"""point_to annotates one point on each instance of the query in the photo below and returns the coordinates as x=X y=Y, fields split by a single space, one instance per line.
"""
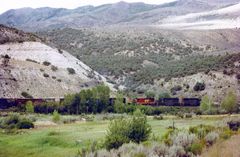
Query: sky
x=70 y=4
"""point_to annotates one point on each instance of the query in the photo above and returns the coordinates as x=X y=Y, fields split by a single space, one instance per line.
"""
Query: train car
x=169 y=102
x=145 y=101
x=191 y=102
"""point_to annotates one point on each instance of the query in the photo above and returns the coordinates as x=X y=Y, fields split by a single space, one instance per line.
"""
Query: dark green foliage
x=25 y=124
x=164 y=95
x=201 y=130
x=125 y=130
x=54 y=68
x=26 y=95
x=71 y=71
x=31 y=60
x=93 y=100
x=229 y=103
x=150 y=94
x=196 y=148
x=199 y=86
x=46 y=63
x=14 y=121
x=100 y=50
x=45 y=75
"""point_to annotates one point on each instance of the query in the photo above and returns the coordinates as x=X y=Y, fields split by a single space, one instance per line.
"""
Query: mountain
x=28 y=65
x=139 y=59
x=121 y=13
x=228 y=17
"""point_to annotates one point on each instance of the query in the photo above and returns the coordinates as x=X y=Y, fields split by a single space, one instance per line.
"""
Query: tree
x=229 y=103
x=29 y=107
x=164 y=95
x=206 y=104
x=119 y=106
x=69 y=101
x=150 y=94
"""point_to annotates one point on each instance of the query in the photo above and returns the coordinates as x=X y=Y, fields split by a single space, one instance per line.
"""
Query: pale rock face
x=25 y=71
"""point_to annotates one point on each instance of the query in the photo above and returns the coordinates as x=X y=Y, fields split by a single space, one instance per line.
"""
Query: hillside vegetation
x=136 y=56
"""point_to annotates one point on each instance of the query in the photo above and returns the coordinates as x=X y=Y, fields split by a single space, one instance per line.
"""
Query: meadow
x=65 y=140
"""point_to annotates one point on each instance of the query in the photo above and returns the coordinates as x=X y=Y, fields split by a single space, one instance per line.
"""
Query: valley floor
x=64 y=140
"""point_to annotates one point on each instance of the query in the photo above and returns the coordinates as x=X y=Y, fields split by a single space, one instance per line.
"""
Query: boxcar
x=191 y=102
x=168 y=102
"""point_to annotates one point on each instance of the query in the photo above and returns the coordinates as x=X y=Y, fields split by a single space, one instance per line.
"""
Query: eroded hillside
x=39 y=70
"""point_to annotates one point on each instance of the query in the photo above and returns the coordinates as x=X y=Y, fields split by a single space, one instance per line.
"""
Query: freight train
x=185 y=102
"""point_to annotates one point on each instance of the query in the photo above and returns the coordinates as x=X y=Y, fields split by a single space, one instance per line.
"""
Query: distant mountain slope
x=121 y=13
x=40 y=70
x=146 y=58
x=227 y=17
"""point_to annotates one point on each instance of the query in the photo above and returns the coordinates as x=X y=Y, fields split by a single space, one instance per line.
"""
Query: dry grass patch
x=229 y=148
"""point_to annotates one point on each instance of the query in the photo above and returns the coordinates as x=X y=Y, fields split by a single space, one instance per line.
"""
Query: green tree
x=150 y=94
x=69 y=101
x=164 y=95
x=29 y=107
x=206 y=104
x=56 y=116
x=229 y=103
x=119 y=106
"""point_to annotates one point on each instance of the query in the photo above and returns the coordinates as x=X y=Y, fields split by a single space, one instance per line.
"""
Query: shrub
x=46 y=63
x=176 y=151
x=45 y=75
x=31 y=60
x=26 y=95
x=196 y=148
x=211 y=138
x=60 y=51
x=14 y=121
x=183 y=139
x=71 y=71
x=206 y=104
x=122 y=131
x=201 y=130
x=54 y=68
x=164 y=95
x=160 y=117
x=199 y=86
x=229 y=103
x=25 y=124
x=56 y=116
x=159 y=150
x=29 y=107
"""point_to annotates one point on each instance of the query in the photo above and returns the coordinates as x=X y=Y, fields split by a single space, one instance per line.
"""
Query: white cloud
x=71 y=4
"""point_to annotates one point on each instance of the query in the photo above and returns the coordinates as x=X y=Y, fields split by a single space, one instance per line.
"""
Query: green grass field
x=64 y=140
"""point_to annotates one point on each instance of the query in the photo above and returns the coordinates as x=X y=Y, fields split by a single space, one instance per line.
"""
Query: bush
x=211 y=138
x=229 y=103
x=14 y=121
x=25 y=124
x=54 y=68
x=123 y=131
x=26 y=95
x=56 y=116
x=45 y=75
x=29 y=107
x=46 y=63
x=196 y=148
x=160 y=117
x=199 y=86
x=71 y=71
x=183 y=139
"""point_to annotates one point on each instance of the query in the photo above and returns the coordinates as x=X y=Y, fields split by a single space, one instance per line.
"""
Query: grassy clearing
x=64 y=140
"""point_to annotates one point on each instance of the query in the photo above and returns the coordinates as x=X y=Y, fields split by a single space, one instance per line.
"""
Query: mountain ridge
x=121 y=13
